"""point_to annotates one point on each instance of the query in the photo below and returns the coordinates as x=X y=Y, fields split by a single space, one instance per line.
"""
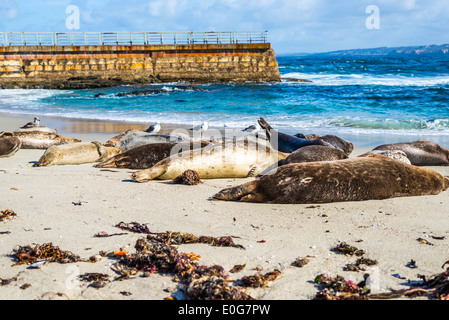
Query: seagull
x=252 y=128
x=32 y=124
x=202 y=128
x=154 y=128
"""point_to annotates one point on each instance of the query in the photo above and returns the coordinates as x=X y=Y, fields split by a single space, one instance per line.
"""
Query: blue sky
x=293 y=25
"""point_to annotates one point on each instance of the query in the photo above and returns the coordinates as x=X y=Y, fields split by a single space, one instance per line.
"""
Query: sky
x=293 y=26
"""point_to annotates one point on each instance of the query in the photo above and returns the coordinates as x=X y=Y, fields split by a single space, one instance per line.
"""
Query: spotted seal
x=397 y=155
x=230 y=159
x=421 y=152
x=41 y=140
x=146 y=156
x=355 y=179
x=134 y=138
x=76 y=153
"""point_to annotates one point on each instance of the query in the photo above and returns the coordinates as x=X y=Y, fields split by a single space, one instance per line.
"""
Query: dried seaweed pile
x=189 y=177
x=340 y=289
x=6 y=214
x=178 y=238
x=198 y=282
x=46 y=252
x=348 y=250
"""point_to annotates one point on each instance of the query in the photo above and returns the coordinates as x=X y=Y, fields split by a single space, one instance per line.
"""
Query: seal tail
x=236 y=193
x=148 y=174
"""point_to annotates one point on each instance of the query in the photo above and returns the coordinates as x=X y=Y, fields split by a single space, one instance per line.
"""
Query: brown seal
x=148 y=155
x=335 y=141
x=355 y=179
x=9 y=145
x=315 y=153
x=421 y=152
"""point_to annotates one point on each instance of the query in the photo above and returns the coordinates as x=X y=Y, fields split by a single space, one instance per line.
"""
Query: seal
x=76 y=153
x=397 y=155
x=148 y=155
x=335 y=141
x=421 y=152
x=41 y=140
x=40 y=129
x=9 y=145
x=372 y=177
x=134 y=138
x=230 y=159
x=287 y=143
x=315 y=153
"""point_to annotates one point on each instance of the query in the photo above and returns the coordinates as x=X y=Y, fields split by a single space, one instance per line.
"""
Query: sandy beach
x=68 y=205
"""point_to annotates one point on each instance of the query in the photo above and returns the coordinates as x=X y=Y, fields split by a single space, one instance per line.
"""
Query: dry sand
x=274 y=235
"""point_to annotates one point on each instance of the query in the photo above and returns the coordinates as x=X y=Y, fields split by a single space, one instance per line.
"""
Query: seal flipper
x=236 y=193
x=264 y=125
x=149 y=174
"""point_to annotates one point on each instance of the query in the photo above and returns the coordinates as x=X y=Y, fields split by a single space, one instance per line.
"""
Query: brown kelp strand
x=258 y=280
x=178 y=238
x=7 y=214
x=133 y=227
x=189 y=177
x=46 y=252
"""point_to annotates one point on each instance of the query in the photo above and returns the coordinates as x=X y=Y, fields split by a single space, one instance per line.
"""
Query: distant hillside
x=385 y=51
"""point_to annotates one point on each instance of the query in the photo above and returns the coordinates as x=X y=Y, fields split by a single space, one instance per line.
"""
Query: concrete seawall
x=77 y=67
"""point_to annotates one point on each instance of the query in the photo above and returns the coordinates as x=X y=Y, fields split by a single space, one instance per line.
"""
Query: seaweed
x=300 y=262
x=157 y=254
x=46 y=252
x=7 y=214
x=189 y=177
x=349 y=250
x=133 y=227
x=94 y=276
x=437 y=287
x=178 y=238
x=214 y=288
x=337 y=288
x=237 y=268
x=259 y=280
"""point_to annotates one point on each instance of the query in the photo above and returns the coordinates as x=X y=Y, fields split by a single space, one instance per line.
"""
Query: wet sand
x=68 y=205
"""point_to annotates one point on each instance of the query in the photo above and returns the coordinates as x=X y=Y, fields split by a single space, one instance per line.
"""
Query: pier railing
x=129 y=38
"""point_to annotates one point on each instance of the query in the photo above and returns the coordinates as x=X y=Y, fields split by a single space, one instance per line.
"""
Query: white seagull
x=156 y=127
x=203 y=127
x=32 y=124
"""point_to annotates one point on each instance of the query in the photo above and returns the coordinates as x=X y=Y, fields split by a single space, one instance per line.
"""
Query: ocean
x=368 y=99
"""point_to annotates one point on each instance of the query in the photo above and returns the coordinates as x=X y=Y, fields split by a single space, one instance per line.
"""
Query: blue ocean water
x=348 y=95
